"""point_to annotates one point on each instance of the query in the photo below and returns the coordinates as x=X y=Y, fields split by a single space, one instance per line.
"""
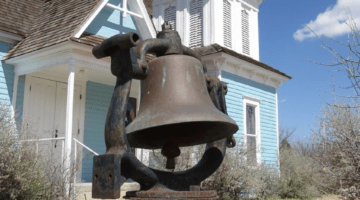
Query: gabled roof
x=215 y=48
x=52 y=22
x=89 y=39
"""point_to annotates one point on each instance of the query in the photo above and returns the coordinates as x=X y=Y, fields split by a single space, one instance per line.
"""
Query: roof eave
x=10 y=37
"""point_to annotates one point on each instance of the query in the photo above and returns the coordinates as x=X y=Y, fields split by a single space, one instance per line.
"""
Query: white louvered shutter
x=196 y=24
x=227 y=24
x=170 y=16
x=245 y=32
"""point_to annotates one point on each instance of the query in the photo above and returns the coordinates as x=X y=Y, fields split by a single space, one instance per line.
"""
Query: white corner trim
x=144 y=24
x=147 y=19
x=247 y=100
x=10 y=37
x=124 y=10
x=277 y=129
x=91 y=17
x=138 y=8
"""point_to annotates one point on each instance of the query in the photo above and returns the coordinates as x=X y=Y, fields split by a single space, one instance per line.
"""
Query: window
x=252 y=130
x=245 y=32
x=196 y=23
x=170 y=16
x=227 y=23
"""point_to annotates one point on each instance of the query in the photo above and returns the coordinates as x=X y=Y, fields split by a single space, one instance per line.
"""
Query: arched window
x=245 y=32
x=227 y=24
x=170 y=16
x=196 y=23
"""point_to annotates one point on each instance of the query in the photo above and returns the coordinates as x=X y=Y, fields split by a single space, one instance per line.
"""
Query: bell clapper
x=170 y=151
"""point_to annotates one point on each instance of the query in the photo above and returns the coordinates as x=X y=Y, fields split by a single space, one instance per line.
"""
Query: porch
x=62 y=94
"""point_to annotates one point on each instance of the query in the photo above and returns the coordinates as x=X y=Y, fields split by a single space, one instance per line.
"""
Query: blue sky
x=286 y=44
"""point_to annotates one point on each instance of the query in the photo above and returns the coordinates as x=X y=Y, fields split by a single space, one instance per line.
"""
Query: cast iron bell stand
x=112 y=169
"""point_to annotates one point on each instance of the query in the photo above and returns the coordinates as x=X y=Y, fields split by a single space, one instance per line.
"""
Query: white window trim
x=247 y=100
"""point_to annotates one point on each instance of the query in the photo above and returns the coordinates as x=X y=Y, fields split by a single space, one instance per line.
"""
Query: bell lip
x=173 y=55
x=142 y=138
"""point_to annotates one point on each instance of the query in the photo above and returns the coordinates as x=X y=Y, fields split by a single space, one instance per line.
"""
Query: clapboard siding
x=7 y=82
x=98 y=98
x=6 y=75
x=238 y=87
x=110 y=22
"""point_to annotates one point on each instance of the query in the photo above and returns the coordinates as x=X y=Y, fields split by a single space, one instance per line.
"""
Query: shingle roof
x=89 y=39
x=17 y=16
x=53 y=22
x=215 y=48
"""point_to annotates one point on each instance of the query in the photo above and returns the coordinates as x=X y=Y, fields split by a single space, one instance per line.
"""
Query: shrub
x=235 y=178
x=337 y=143
x=25 y=171
x=301 y=177
x=22 y=175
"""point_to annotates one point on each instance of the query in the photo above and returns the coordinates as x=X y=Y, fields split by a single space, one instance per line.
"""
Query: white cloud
x=283 y=101
x=332 y=22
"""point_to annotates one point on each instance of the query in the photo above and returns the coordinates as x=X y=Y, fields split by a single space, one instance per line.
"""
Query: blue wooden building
x=57 y=87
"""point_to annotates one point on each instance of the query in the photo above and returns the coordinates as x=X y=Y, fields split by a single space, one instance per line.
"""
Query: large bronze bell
x=176 y=107
x=181 y=105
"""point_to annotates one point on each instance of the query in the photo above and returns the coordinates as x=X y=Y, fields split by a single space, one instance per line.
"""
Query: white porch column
x=14 y=96
x=68 y=126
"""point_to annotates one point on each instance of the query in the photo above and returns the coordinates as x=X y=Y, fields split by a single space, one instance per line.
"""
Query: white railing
x=77 y=142
x=48 y=139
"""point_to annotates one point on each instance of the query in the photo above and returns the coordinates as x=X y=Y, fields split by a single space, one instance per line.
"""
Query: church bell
x=176 y=108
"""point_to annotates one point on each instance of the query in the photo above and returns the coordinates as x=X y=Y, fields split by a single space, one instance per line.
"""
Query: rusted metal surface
x=118 y=163
x=112 y=169
x=176 y=106
x=217 y=91
x=106 y=168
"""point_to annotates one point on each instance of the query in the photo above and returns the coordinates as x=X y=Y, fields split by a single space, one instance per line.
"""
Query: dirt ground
x=329 y=197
